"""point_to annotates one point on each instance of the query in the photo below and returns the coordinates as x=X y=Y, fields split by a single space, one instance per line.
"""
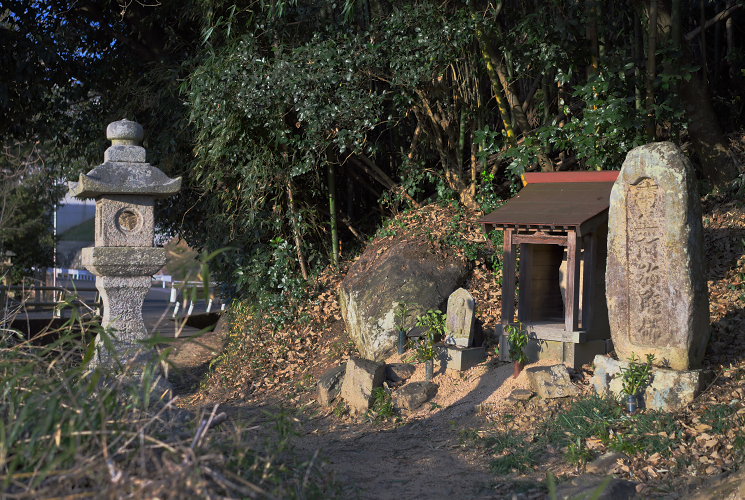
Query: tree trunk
x=650 y=126
x=718 y=164
x=637 y=55
x=296 y=230
x=591 y=32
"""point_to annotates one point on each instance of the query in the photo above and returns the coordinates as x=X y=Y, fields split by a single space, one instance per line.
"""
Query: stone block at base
x=551 y=382
x=361 y=377
x=669 y=389
x=461 y=358
x=574 y=355
x=329 y=384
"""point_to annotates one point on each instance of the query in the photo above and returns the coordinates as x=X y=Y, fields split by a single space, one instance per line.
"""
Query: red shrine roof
x=558 y=200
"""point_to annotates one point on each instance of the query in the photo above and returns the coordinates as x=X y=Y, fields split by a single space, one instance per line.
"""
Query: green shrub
x=69 y=428
x=382 y=406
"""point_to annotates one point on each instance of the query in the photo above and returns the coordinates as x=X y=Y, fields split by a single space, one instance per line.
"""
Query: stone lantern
x=124 y=259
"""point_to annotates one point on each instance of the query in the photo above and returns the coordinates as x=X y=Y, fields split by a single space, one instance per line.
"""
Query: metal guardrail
x=38 y=296
x=33 y=297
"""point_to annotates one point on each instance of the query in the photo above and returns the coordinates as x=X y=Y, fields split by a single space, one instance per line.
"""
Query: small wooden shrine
x=558 y=227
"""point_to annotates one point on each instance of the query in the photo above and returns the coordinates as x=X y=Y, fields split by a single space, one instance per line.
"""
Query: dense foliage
x=299 y=125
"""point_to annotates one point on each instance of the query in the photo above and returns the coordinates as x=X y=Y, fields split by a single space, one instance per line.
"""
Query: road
x=157 y=310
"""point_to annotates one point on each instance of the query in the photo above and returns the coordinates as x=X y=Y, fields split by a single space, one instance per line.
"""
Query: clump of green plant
x=722 y=418
x=382 y=406
x=341 y=409
x=67 y=426
x=514 y=452
x=577 y=452
x=434 y=322
x=637 y=375
x=403 y=310
x=517 y=337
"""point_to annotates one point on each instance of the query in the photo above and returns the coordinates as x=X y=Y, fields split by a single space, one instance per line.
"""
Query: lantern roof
x=124 y=170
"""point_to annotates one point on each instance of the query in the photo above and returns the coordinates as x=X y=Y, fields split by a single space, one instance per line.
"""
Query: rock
x=413 y=395
x=589 y=486
x=361 y=377
x=460 y=318
x=730 y=486
x=656 y=288
x=551 y=381
x=382 y=278
x=399 y=372
x=605 y=463
x=521 y=395
x=669 y=389
x=329 y=384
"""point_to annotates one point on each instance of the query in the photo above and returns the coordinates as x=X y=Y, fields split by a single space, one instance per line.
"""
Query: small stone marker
x=459 y=353
x=124 y=258
x=655 y=284
x=361 y=377
x=460 y=317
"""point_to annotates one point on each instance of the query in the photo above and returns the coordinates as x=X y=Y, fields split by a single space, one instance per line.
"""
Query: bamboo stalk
x=332 y=216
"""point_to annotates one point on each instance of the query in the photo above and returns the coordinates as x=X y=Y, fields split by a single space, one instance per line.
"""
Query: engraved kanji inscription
x=645 y=262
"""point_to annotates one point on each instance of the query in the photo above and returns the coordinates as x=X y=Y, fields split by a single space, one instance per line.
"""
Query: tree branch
x=719 y=17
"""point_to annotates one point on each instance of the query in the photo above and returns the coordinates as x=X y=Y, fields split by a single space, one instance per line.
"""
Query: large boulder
x=385 y=276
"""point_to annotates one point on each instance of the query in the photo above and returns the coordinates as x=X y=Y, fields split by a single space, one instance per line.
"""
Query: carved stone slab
x=459 y=326
x=655 y=283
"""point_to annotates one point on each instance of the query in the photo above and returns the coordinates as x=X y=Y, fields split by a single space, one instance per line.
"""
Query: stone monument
x=655 y=284
x=459 y=353
x=124 y=259
x=460 y=316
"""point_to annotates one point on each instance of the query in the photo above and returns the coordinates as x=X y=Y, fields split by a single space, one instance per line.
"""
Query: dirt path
x=422 y=458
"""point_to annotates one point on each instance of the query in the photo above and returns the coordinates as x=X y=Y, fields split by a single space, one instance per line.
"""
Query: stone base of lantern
x=123 y=347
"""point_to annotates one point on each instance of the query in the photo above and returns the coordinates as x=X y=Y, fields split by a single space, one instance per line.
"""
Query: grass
x=382 y=406
x=68 y=428
x=722 y=418
x=594 y=417
x=604 y=419
x=514 y=452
